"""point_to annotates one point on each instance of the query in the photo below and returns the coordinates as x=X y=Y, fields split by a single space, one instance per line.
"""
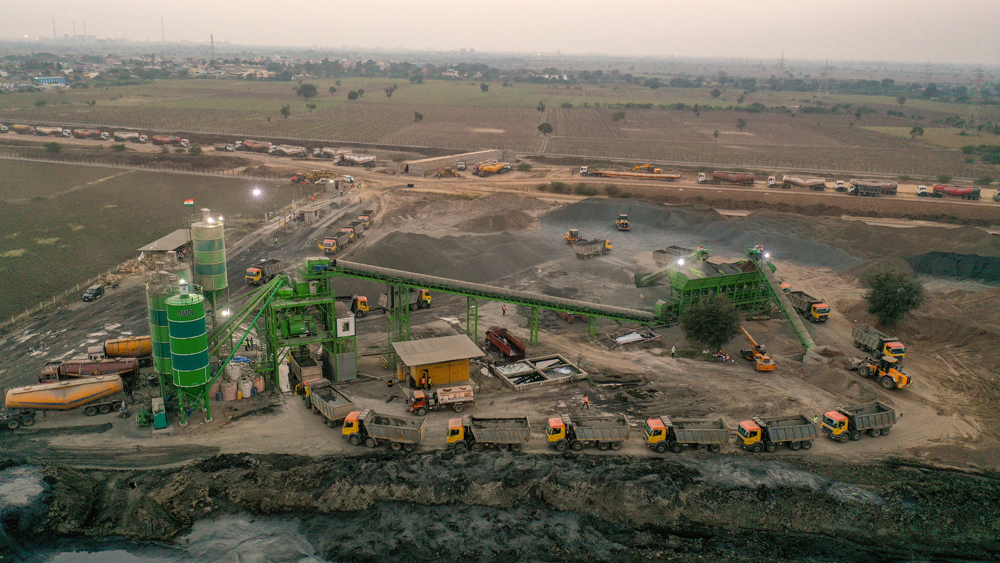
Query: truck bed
x=499 y=430
x=698 y=430
x=396 y=429
x=602 y=429
x=789 y=428
x=333 y=404
x=871 y=415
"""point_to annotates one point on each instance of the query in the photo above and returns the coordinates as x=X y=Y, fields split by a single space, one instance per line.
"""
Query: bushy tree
x=892 y=295
x=333 y=90
x=916 y=132
x=306 y=90
x=546 y=128
x=711 y=322
x=617 y=116
x=901 y=100
x=484 y=87
x=716 y=93
x=53 y=147
x=418 y=117
x=741 y=124
x=541 y=107
x=352 y=95
x=286 y=111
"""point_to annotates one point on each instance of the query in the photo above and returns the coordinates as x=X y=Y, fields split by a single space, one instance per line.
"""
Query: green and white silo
x=189 y=348
x=158 y=289
x=209 y=245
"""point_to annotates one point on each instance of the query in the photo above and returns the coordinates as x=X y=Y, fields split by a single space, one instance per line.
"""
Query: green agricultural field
x=63 y=224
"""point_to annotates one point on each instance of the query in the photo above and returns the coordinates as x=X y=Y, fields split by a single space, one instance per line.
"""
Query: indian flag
x=188 y=203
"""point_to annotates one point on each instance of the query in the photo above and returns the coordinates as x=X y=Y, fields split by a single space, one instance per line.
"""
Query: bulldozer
x=447 y=173
x=887 y=371
x=647 y=168
x=622 y=223
x=757 y=354
x=572 y=236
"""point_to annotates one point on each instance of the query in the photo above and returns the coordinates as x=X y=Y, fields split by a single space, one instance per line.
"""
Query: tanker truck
x=166 y=140
x=23 y=129
x=941 y=190
x=366 y=160
x=131 y=347
x=788 y=182
x=126 y=367
x=100 y=394
x=42 y=131
x=871 y=188
x=287 y=150
x=255 y=146
x=734 y=178
x=89 y=134
x=126 y=136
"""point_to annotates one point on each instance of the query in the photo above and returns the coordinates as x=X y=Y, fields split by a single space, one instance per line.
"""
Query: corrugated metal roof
x=436 y=350
x=173 y=241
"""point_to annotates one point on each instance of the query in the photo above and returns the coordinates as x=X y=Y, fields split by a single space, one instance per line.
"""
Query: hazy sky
x=959 y=31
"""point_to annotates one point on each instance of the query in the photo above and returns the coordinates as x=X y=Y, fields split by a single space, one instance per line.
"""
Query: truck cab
x=348 y=179
x=655 y=432
x=328 y=246
x=773 y=182
x=4 y=129
x=354 y=429
x=749 y=433
x=703 y=178
x=67 y=133
x=834 y=424
x=359 y=305
x=557 y=430
x=894 y=349
x=254 y=276
x=819 y=312
x=143 y=139
x=185 y=143
x=840 y=186
x=456 y=431
x=584 y=170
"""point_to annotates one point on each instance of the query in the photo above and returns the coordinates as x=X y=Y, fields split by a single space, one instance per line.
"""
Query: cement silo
x=209 y=255
x=189 y=348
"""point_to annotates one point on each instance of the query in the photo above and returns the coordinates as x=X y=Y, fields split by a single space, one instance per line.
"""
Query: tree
x=418 y=117
x=984 y=180
x=333 y=90
x=546 y=128
x=716 y=135
x=916 y=132
x=310 y=107
x=617 y=116
x=352 y=95
x=741 y=124
x=53 y=147
x=891 y=295
x=361 y=92
x=943 y=178
x=541 y=107
x=196 y=151
x=307 y=90
x=338 y=83
x=484 y=87
x=930 y=91
x=741 y=99
x=118 y=148
x=901 y=100
x=716 y=93
x=390 y=90
x=712 y=322
x=286 y=111
x=566 y=105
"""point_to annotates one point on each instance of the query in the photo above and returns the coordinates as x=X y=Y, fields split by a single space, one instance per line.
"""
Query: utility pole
x=212 y=39
x=826 y=77
x=781 y=68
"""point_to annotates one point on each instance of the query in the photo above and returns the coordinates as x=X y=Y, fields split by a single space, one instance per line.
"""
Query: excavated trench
x=441 y=506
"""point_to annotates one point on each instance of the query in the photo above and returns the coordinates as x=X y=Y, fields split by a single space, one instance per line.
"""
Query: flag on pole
x=188 y=203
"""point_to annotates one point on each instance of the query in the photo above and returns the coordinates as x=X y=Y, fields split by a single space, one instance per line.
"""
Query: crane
x=757 y=354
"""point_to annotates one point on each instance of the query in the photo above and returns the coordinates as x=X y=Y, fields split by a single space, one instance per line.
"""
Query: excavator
x=572 y=236
x=622 y=223
x=447 y=173
x=757 y=354
x=647 y=168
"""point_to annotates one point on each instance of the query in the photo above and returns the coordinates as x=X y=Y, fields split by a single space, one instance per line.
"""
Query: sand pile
x=649 y=215
x=513 y=220
x=963 y=266
x=477 y=259
x=875 y=265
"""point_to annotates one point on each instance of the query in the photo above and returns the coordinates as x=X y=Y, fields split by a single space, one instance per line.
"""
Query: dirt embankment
x=727 y=508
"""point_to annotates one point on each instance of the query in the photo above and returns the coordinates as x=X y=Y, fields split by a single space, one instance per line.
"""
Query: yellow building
x=442 y=360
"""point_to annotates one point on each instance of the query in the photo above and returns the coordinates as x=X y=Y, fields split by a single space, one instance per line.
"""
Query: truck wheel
x=806 y=444
x=865 y=371
x=576 y=446
x=104 y=409
x=885 y=431
x=661 y=448
x=329 y=423
x=714 y=448
x=461 y=447
x=887 y=382
x=90 y=411
x=757 y=448
x=354 y=440
x=477 y=447
x=13 y=424
x=421 y=411
x=359 y=313
x=874 y=433
x=603 y=446
x=842 y=438
x=371 y=442
x=770 y=447
x=458 y=407
x=395 y=446
x=409 y=447
x=503 y=447
x=794 y=446
x=615 y=446
x=855 y=436
x=515 y=447
x=561 y=446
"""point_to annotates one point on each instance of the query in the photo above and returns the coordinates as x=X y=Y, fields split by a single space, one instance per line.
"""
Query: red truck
x=501 y=340
x=256 y=146
x=941 y=190
x=166 y=140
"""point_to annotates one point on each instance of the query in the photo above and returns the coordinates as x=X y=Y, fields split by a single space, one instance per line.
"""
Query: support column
x=399 y=320
x=533 y=326
x=472 y=318
x=592 y=325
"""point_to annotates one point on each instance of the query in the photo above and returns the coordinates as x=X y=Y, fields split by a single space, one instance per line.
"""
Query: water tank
x=188 y=340
x=209 y=245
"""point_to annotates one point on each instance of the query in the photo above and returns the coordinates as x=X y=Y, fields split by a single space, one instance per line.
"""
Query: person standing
x=505 y=310
x=673 y=351
x=586 y=402
x=275 y=241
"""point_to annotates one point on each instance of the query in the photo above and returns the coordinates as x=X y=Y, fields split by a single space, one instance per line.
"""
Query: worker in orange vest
x=586 y=402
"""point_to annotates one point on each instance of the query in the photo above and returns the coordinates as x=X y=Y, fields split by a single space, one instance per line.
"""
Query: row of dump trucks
x=336 y=241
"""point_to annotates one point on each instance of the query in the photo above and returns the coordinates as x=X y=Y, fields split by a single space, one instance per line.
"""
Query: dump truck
x=586 y=249
x=621 y=223
x=254 y=146
x=474 y=433
x=588 y=171
x=810 y=307
x=43 y=131
x=87 y=134
x=84 y=367
x=788 y=182
x=23 y=129
x=572 y=236
x=735 y=178
x=457 y=398
x=304 y=370
x=326 y=400
x=100 y=394
x=335 y=242
x=664 y=433
x=359 y=228
x=350 y=232
x=603 y=432
x=847 y=423
x=941 y=190
x=504 y=342
x=416 y=299
x=264 y=271
x=166 y=140
x=887 y=371
x=367 y=217
x=871 y=188
x=766 y=434
x=126 y=136
x=870 y=339
x=371 y=429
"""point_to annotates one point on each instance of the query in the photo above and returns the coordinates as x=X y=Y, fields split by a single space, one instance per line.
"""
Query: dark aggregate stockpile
x=439 y=506
x=963 y=266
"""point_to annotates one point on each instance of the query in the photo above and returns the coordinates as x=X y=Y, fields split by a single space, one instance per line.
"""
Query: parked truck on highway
x=588 y=171
x=766 y=434
x=87 y=133
x=351 y=159
x=871 y=188
x=287 y=150
x=458 y=398
x=664 y=433
x=327 y=401
x=127 y=136
x=100 y=394
x=253 y=146
x=788 y=182
x=603 y=432
x=816 y=310
x=44 y=131
x=870 y=339
x=23 y=129
x=942 y=190
x=166 y=140
x=586 y=249
x=734 y=178
x=847 y=423
x=475 y=433
x=264 y=271
x=371 y=429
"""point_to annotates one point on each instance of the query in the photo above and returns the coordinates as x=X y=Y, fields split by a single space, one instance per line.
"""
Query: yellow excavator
x=447 y=173
x=757 y=354
x=647 y=168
